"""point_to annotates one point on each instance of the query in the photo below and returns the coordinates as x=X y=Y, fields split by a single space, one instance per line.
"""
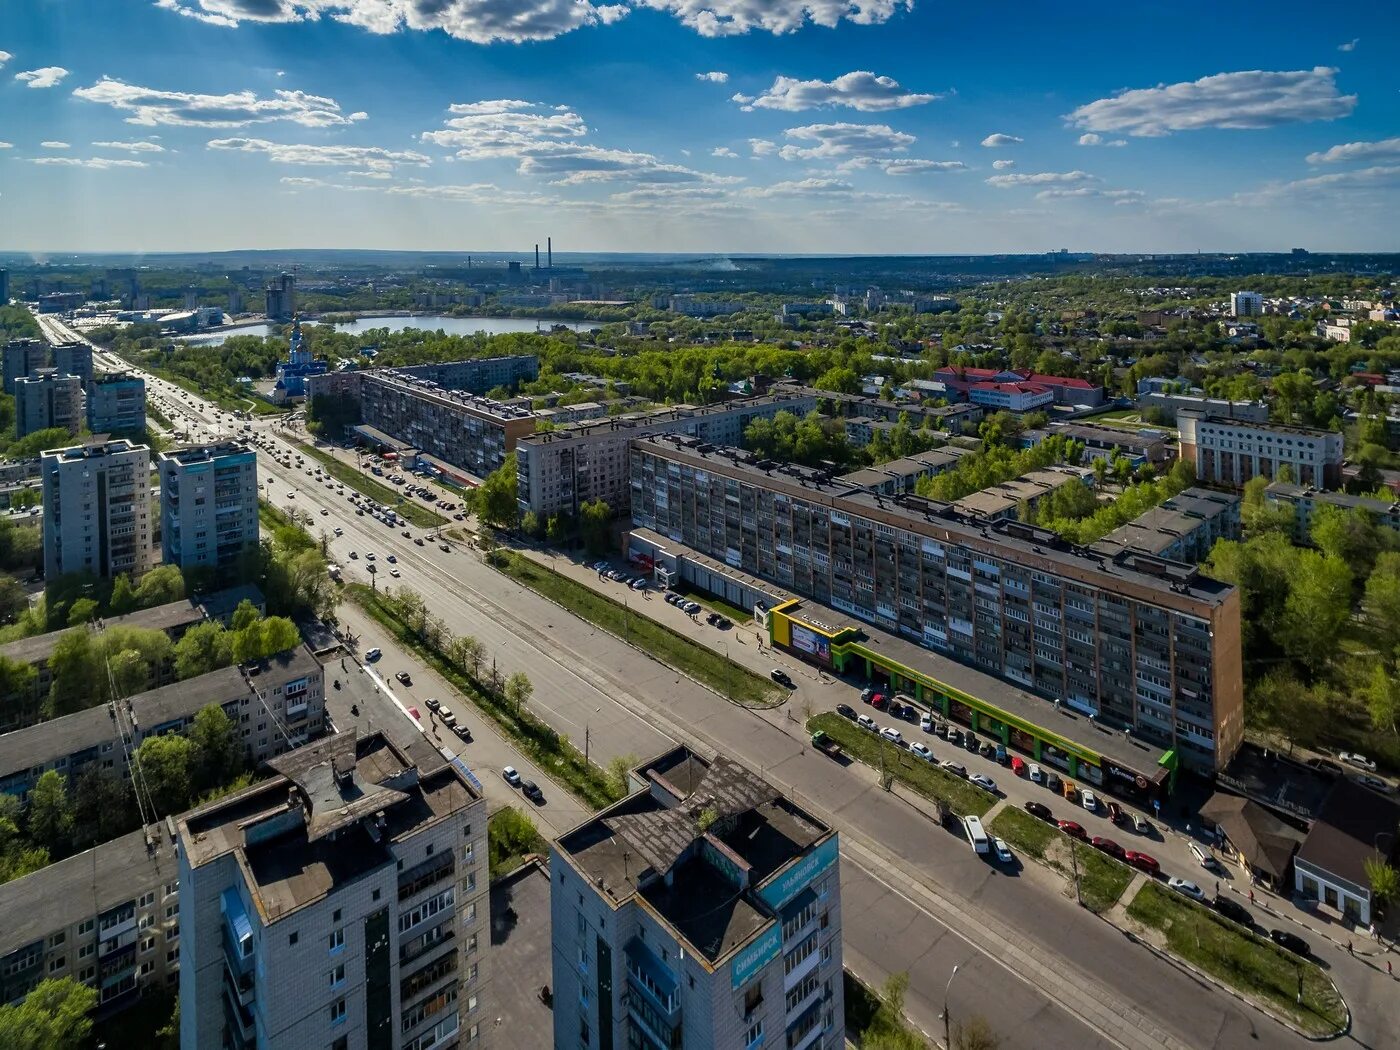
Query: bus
x=977 y=835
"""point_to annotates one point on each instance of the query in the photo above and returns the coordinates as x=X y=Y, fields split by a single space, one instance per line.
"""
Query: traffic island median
x=1292 y=988
x=382 y=494
x=711 y=669
x=938 y=785
x=1102 y=879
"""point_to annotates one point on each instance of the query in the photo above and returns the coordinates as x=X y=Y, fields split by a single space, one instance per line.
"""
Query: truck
x=333 y=571
x=830 y=748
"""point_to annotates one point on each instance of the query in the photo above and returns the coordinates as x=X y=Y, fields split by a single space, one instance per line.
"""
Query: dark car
x=463 y=732
x=1115 y=813
x=1108 y=846
x=896 y=709
x=1290 y=942
x=1233 y=909
x=781 y=677
x=846 y=711
x=989 y=751
x=972 y=742
x=911 y=713
x=1054 y=783
x=1073 y=830
x=532 y=791
x=404 y=678
x=1039 y=809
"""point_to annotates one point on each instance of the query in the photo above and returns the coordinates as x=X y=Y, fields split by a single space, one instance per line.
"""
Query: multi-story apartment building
x=1304 y=500
x=116 y=404
x=1101 y=442
x=97 y=509
x=23 y=357
x=1065 y=390
x=703 y=910
x=108 y=917
x=275 y=704
x=562 y=469
x=1139 y=642
x=956 y=419
x=1168 y=404
x=47 y=398
x=1231 y=451
x=342 y=903
x=1246 y=304
x=208 y=505
x=1184 y=528
x=74 y=359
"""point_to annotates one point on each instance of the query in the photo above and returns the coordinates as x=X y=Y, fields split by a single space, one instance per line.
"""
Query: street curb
x=1259 y=903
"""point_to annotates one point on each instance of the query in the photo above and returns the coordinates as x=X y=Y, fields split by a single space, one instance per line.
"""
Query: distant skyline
x=708 y=126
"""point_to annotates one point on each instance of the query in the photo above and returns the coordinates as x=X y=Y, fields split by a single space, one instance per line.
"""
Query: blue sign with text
x=793 y=881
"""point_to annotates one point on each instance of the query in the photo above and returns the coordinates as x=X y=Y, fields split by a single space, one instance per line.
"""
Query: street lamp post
x=947 y=1018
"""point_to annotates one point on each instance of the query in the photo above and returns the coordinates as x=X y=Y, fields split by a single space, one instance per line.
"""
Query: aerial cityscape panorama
x=699 y=525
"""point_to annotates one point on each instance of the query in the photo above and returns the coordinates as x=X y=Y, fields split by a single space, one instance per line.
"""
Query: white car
x=511 y=776
x=926 y=723
x=339 y=531
x=1003 y=851
x=866 y=722
x=1037 y=775
x=1352 y=758
x=892 y=735
x=1090 y=802
x=986 y=783
x=921 y=750
x=954 y=768
x=395 y=573
x=1189 y=889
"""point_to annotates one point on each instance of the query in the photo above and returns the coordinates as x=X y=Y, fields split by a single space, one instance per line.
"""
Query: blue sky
x=697 y=125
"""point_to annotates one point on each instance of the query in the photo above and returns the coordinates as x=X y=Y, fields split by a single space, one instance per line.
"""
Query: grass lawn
x=389 y=496
x=1102 y=879
x=928 y=780
x=671 y=648
x=1254 y=966
x=546 y=748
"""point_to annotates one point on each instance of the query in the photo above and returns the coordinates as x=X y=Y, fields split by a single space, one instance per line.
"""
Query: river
x=397 y=323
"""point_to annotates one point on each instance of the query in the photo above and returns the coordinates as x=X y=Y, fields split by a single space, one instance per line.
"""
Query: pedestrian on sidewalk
x=1217 y=887
x=1374 y=935
x=1389 y=969
x=1350 y=950
x=1251 y=896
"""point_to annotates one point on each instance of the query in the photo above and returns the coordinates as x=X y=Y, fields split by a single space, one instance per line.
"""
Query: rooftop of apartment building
x=1287 y=490
x=1087 y=432
x=427 y=388
x=906 y=467
x=1159 y=527
x=602 y=428
x=101 y=445
x=85 y=884
x=188 y=454
x=326 y=819
x=117 y=379
x=1026 y=543
x=916 y=408
x=998 y=499
x=651 y=849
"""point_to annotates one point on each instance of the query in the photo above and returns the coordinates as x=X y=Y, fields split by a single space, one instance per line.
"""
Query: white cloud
x=52 y=144
x=298 y=182
x=1350 y=45
x=1092 y=193
x=135 y=146
x=5 y=56
x=373 y=158
x=734 y=17
x=910 y=166
x=151 y=107
x=1002 y=165
x=997 y=140
x=1347 y=151
x=858 y=90
x=713 y=78
x=1381 y=176
x=1091 y=139
x=1040 y=178
x=1249 y=99
x=723 y=151
x=7 y=145
x=838 y=141
x=98 y=163
x=762 y=147
x=813 y=187
x=46 y=77
x=476 y=193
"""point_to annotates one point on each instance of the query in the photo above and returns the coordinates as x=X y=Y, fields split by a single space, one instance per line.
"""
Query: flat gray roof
x=1284 y=490
x=166 y=617
x=1158 y=528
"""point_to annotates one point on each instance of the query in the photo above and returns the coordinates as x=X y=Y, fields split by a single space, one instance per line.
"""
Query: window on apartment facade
x=338 y=975
x=753 y=997
x=337 y=940
x=57 y=964
x=337 y=1011
x=86 y=926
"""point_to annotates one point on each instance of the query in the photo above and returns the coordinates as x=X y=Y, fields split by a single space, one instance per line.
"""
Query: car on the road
x=1360 y=761
x=445 y=713
x=463 y=732
x=692 y=607
x=369 y=555
x=1186 y=888
x=339 y=531
x=325 y=513
x=1108 y=846
x=639 y=584
x=1052 y=782
x=510 y=776
x=781 y=677
x=443 y=547
x=955 y=768
x=1142 y=862
x=985 y=782
x=395 y=573
x=926 y=722
x=1090 y=802
x=432 y=703
x=846 y=711
x=921 y=750
x=879 y=701
x=390 y=558
x=354 y=555
x=404 y=678
x=1290 y=941
x=988 y=751
x=1206 y=858
x=532 y=791
x=896 y=709
x=1115 y=812
x=373 y=655
x=1002 y=851
x=892 y=735
x=1232 y=909
x=1141 y=824
x=1073 y=830
x=866 y=722
x=1039 y=809
x=418 y=540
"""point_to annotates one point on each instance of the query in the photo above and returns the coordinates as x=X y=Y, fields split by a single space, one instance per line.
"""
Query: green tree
x=50 y=815
x=244 y=616
x=78 y=676
x=102 y=807
x=975 y=1034
x=888 y=1029
x=1384 y=879
x=467 y=652
x=167 y=770
x=595 y=524
x=1383 y=699
x=13 y=599
x=496 y=498
x=160 y=586
x=205 y=647
x=123 y=599
x=1381 y=602
x=518 y=690
x=1316 y=609
x=838 y=380
x=617 y=774
x=510 y=834
x=557 y=529
x=265 y=638
x=56 y=1015
x=531 y=525
x=217 y=750
x=82 y=611
x=1352 y=536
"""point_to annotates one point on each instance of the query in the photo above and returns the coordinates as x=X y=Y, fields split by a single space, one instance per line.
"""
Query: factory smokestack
x=537 y=257
x=549 y=247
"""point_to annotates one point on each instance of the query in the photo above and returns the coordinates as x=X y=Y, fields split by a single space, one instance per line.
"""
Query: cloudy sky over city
x=826 y=126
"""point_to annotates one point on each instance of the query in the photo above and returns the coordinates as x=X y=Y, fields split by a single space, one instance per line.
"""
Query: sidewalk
x=1303 y=914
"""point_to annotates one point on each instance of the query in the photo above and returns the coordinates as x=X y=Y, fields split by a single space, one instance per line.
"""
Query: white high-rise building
x=97 y=509
x=343 y=903
x=208 y=504
x=1246 y=304
x=704 y=910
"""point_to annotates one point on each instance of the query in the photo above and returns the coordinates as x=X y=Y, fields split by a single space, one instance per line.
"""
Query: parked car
x=781 y=677
x=1115 y=812
x=1108 y=846
x=373 y=655
x=921 y=750
x=892 y=735
x=463 y=732
x=846 y=711
x=1073 y=830
x=432 y=703
x=1142 y=825
x=985 y=782
x=1039 y=809
x=1037 y=775
x=1002 y=851
x=1290 y=941
x=1090 y=802
x=866 y=722
x=955 y=769
x=1187 y=888
x=926 y=722
x=404 y=678
x=879 y=701
x=1232 y=909
x=1360 y=761
x=510 y=776
x=1142 y=862
x=989 y=751
x=532 y=791
x=896 y=709
x=866 y=695
x=1206 y=857
x=1052 y=781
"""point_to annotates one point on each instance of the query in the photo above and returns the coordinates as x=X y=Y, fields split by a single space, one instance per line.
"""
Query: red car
x=878 y=701
x=1115 y=813
x=1108 y=846
x=1073 y=830
x=1143 y=862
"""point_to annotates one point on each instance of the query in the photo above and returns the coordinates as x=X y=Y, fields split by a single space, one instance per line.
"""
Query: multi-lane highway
x=1047 y=973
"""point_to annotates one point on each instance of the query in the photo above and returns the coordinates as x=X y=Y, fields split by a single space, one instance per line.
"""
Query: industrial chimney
x=549 y=248
x=537 y=256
